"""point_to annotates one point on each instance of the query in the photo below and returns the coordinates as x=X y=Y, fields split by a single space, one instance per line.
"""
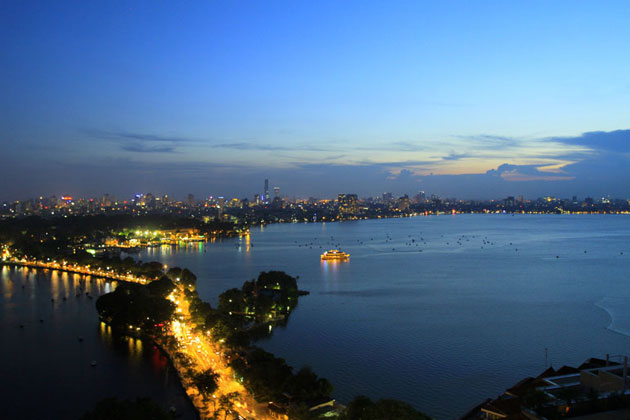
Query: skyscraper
x=266 y=197
x=276 y=192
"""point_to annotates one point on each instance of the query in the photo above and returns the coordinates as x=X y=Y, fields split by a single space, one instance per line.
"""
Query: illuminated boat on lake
x=335 y=255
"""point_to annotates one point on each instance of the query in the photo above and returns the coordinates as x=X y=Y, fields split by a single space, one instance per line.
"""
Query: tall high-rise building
x=347 y=205
x=403 y=203
x=276 y=192
x=266 y=196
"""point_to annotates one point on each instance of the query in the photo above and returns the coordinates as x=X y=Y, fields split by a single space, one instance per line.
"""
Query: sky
x=455 y=98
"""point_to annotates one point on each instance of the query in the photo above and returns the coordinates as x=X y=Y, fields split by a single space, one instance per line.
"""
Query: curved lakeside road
x=202 y=350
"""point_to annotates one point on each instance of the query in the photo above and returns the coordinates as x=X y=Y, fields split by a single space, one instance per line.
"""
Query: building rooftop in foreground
x=597 y=389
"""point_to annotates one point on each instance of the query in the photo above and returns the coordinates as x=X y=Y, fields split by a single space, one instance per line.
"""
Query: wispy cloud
x=491 y=140
x=267 y=147
x=395 y=146
x=141 y=142
x=143 y=148
x=456 y=156
x=142 y=137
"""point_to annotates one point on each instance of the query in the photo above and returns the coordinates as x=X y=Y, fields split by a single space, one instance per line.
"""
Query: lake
x=440 y=311
x=47 y=371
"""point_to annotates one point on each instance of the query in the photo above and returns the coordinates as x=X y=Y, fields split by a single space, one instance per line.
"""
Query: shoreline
x=200 y=407
x=180 y=379
x=154 y=341
x=49 y=266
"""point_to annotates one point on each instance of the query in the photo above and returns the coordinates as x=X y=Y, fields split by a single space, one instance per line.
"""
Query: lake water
x=441 y=311
x=46 y=372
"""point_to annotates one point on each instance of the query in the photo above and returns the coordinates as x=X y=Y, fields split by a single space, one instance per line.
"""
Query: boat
x=335 y=255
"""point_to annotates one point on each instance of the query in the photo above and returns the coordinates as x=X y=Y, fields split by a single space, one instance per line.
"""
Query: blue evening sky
x=459 y=98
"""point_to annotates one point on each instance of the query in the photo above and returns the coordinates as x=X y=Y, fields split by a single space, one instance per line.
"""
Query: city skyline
x=468 y=101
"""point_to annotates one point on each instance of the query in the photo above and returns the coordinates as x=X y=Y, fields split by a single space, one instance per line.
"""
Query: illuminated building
x=347 y=205
x=403 y=203
x=266 y=194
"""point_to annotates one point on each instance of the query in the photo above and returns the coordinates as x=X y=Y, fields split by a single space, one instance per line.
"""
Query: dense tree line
x=269 y=377
x=363 y=408
x=133 y=306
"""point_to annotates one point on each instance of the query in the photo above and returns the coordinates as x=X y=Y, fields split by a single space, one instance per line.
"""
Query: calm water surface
x=46 y=371
x=441 y=312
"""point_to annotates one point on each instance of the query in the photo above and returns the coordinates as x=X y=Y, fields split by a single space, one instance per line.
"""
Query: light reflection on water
x=48 y=347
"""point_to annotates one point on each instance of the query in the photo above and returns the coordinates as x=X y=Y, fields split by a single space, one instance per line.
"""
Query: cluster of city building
x=270 y=207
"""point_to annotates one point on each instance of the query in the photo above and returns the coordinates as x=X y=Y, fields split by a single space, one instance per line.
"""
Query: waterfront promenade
x=199 y=347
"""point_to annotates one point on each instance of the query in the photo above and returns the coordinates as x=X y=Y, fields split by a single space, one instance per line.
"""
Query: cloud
x=405 y=175
x=143 y=148
x=267 y=147
x=142 y=137
x=612 y=141
x=123 y=137
x=492 y=141
x=396 y=146
x=456 y=156
x=594 y=163
x=141 y=142
x=527 y=173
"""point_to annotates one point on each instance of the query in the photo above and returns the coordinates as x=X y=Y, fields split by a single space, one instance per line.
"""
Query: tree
x=141 y=409
x=162 y=287
x=363 y=408
x=305 y=385
x=300 y=412
x=232 y=300
x=226 y=402
x=188 y=279
x=174 y=273
x=207 y=382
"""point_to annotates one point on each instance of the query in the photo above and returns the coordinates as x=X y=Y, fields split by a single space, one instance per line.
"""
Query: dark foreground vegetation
x=115 y=409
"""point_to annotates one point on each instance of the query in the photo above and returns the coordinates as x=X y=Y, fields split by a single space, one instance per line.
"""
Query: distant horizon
x=206 y=197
